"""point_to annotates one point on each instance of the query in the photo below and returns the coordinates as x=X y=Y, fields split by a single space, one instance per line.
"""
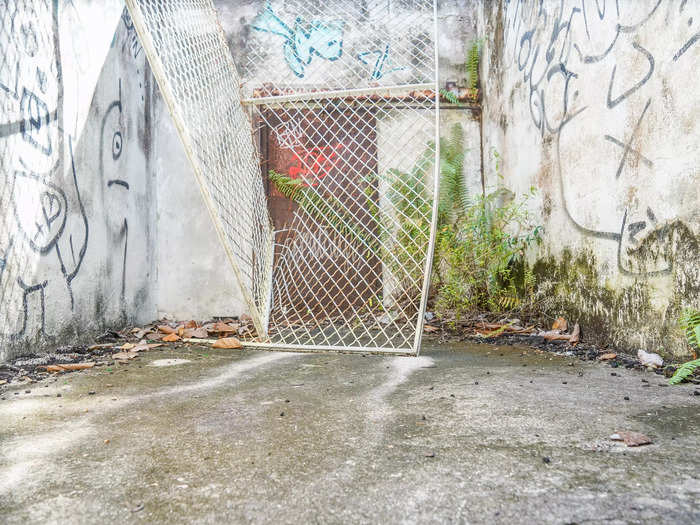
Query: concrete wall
x=593 y=103
x=195 y=279
x=76 y=197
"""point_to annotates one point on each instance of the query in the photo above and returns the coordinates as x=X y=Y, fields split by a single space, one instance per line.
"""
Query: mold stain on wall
x=604 y=85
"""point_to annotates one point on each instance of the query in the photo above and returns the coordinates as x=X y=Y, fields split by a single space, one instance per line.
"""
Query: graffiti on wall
x=51 y=223
x=613 y=95
x=43 y=215
x=326 y=39
x=382 y=64
x=305 y=40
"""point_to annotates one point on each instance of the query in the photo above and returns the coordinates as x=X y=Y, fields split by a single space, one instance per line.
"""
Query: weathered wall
x=76 y=198
x=593 y=103
x=195 y=279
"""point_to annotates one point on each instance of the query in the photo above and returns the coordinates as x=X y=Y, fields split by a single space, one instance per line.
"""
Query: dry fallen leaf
x=220 y=328
x=429 y=328
x=190 y=324
x=607 y=357
x=141 y=333
x=575 y=335
x=196 y=333
x=143 y=346
x=125 y=356
x=171 y=338
x=101 y=345
x=127 y=346
x=554 y=335
x=631 y=439
x=166 y=329
x=227 y=342
x=560 y=324
x=69 y=367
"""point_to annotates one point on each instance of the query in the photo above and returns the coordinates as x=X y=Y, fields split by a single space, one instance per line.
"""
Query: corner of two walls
x=591 y=104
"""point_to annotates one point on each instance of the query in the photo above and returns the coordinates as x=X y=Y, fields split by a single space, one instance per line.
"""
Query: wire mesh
x=195 y=71
x=345 y=99
x=338 y=243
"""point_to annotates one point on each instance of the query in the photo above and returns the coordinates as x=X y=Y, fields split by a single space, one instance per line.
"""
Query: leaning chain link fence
x=197 y=77
x=344 y=96
x=331 y=228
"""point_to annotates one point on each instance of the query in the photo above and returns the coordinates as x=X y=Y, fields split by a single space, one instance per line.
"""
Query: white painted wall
x=75 y=241
x=592 y=102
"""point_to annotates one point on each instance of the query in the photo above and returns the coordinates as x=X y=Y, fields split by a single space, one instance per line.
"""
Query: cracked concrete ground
x=459 y=435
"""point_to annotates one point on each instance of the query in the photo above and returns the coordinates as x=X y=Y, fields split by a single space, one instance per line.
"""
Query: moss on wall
x=625 y=316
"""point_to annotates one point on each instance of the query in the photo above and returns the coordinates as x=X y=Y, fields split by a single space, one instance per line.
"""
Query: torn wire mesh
x=343 y=96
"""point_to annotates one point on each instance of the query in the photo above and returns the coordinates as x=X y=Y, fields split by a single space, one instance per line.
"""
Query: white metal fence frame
x=289 y=282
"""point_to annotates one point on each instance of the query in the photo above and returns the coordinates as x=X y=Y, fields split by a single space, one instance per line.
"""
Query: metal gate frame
x=256 y=273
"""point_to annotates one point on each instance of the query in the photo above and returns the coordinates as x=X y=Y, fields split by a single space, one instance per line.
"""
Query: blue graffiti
x=382 y=61
x=323 y=39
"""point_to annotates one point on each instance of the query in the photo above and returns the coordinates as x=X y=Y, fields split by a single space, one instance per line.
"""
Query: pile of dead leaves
x=485 y=329
x=221 y=333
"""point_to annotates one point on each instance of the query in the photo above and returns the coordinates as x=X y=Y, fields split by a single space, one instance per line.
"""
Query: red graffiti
x=315 y=164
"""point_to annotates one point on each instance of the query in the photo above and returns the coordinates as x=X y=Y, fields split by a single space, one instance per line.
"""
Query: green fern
x=454 y=195
x=449 y=96
x=684 y=372
x=690 y=323
x=327 y=209
x=473 y=57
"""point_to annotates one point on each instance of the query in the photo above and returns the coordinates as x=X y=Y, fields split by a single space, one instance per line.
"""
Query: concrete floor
x=232 y=437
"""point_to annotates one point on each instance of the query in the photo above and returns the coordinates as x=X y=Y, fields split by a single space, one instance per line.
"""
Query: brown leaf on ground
x=607 y=357
x=575 y=335
x=560 y=324
x=69 y=367
x=154 y=336
x=554 y=335
x=142 y=332
x=171 y=338
x=196 y=333
x=125 y=356
x=430 y=329
x=127 y=346
x=631 y=439
x=227 y=342
x=167 y=329
x=221 y=328
x=180 y=330
x=101 y=345
x=190 y=324
x=142 y=347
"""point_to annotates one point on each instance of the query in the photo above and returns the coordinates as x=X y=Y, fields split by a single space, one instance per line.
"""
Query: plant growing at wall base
x=479 y=259
x=690 y=324
x=481 y=241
